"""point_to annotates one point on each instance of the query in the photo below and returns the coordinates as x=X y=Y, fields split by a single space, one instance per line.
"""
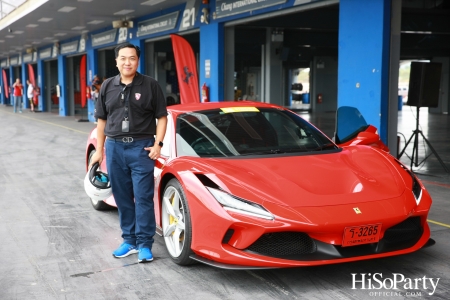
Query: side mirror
x=366 y=138
x=349 y=123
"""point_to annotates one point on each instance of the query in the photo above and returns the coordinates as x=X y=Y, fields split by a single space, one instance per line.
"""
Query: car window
x=246 y=131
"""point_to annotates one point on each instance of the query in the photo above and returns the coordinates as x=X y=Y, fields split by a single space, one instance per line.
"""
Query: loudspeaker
x=424 y=84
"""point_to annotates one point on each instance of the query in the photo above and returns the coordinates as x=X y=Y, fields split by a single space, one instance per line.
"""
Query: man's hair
x=127 y=45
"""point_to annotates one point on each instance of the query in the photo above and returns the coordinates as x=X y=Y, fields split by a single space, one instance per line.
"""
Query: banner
x=5 y=83
x=83 y=80
x=186 y=70
x=32 y=79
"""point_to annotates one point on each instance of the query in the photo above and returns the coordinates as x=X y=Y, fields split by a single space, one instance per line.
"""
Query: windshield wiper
x=272 y=151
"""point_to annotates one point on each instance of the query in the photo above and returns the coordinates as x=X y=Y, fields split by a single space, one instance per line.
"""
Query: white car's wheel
x=176 y=223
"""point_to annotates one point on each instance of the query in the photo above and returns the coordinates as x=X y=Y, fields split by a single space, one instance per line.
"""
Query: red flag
x=83 y=80
x=5 y=83
x=32 y=79
x=186 y=70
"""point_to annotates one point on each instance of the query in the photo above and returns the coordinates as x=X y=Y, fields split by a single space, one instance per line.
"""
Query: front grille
x=279 y=244
x=408 y=230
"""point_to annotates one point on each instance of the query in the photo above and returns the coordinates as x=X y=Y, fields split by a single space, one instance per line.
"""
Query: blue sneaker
x=124 y=250
x=145 y=255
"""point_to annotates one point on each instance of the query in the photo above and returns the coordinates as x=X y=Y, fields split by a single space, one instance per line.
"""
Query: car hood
x=349 y=176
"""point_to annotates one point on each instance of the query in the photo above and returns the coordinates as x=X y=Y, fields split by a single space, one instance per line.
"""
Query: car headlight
x=416 y=188
x=231 y=203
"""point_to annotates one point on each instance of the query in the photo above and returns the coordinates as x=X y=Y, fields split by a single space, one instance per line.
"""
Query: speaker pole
x=415 y=152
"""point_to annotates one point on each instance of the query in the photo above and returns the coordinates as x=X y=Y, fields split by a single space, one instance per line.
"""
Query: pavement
x=56 y=246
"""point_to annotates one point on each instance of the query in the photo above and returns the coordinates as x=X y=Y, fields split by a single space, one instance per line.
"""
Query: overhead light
x=124 y=12
x=418 y=32
x=152 y=2
x=18 y=32
x=66 y=9
x=122 y=24
x=32 y=25
x=45 y=19
x=78 y=27
x=95 y=22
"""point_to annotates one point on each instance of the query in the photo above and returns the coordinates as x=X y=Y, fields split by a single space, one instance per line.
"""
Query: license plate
x=358 y=235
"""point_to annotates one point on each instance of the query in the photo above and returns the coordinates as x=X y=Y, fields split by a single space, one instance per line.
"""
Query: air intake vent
x=227 y=236
x=408 y=230
x=279 y=244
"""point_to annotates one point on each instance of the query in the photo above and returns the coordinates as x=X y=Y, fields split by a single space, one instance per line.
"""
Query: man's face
x=127 y=61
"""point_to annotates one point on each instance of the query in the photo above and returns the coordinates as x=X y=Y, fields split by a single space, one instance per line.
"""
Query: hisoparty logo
x=376 y=281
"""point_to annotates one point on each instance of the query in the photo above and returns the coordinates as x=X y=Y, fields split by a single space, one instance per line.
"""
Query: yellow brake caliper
x=171 y=218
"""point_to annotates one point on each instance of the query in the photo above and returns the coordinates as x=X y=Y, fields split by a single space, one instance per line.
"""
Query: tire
x=98 y=205
x=176 y=223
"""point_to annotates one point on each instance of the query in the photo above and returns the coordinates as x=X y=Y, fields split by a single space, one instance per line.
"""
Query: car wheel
x=176 y=223
x=98 y=204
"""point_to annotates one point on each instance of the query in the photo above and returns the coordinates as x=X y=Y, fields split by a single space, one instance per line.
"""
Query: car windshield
x=239 y=131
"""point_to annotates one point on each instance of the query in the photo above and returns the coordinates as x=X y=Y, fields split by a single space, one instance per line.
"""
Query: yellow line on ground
x=436 y=183
x=50 y=123
x=439 y=223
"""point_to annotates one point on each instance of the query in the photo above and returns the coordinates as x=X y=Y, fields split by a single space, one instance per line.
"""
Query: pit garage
x=55 y=245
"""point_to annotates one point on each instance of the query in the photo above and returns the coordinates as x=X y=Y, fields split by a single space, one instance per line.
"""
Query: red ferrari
x=254 y=185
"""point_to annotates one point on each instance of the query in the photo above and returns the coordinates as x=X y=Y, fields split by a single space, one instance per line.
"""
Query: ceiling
x=425 y=27
x=19 y=31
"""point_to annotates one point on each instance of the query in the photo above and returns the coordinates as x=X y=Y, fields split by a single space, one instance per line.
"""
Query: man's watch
x=160 y=144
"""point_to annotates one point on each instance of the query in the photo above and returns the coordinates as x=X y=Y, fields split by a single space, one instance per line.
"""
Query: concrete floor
x=55 y=246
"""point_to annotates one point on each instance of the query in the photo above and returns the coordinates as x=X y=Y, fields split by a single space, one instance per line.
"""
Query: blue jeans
x=18 y=103
x=132 y=181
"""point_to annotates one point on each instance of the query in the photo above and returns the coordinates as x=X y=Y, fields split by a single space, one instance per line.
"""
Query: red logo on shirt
x=138 y=96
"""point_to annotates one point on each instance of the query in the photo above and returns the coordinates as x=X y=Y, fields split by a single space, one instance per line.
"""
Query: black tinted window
x=246 y=131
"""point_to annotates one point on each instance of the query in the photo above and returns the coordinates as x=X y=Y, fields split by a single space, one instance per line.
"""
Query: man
x=30 y=94
x=95 y=88
x=126 y=110
x=18 y=94
x=96 y=84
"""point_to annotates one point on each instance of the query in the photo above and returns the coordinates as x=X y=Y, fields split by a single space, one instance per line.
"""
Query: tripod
x=415 y=152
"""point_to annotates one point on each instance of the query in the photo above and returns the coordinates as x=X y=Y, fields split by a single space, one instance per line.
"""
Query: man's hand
x=155 y=151
x=97 y=157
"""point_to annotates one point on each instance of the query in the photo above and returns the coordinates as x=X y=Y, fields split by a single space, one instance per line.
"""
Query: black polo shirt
x=145 y=101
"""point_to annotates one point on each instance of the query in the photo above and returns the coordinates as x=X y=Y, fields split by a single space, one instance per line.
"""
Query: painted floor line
x=436 y=183
x=439 y=223
x=50 y=123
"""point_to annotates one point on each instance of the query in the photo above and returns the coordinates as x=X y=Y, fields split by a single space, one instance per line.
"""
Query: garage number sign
x=226 y=8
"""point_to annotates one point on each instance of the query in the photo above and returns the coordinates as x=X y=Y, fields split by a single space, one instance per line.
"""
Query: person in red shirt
x=18 y=95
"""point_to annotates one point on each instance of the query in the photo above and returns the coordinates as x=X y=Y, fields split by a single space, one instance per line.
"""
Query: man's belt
x=130 y=139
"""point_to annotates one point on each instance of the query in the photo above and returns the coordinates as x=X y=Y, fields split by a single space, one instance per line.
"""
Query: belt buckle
x=127 y=139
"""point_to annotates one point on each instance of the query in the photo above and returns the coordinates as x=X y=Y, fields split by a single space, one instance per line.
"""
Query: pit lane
x=55 y=246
